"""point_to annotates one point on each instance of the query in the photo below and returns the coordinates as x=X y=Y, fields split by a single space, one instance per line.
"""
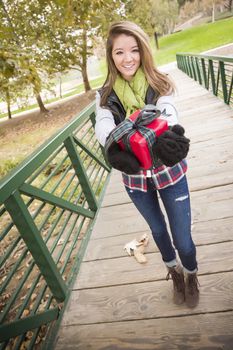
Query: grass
x=195 y=40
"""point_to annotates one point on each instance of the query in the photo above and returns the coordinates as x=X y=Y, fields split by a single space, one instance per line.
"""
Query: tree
x=16 y=42
x=15 y=74
x=57 y=33
x=164 y=15
x=228 y=5
x=206 y=7
x=155 y=16
x=87 y=19
x=181 y=3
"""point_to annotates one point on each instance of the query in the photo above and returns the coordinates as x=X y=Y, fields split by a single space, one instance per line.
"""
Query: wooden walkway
x=117 y=303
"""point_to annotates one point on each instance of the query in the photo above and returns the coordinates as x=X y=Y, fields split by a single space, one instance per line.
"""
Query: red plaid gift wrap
x=138 y=143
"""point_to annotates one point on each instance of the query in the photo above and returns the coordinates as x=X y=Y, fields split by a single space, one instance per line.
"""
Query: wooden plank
x=196 y=108
x=120 y=226
x=194 y=132
x=146 y=300
x=116 y=212
x=127 y=270
x=112 y=247
x=215 y=194
x=203 y=100
x=213 y=231
x=202 y=332
x=203 y=233
x=203 y=115
x=212 y=171
x=119 y=197
x=124 y=219
x=206 y=195
x=209 y=181
x=214 y=168
x=210 y=154
x=217 y=172
x=202 y=182
x=217 y=210
x=209 y=178
x=220 y=138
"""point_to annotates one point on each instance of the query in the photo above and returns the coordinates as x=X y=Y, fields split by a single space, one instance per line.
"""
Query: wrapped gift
x=145 y=127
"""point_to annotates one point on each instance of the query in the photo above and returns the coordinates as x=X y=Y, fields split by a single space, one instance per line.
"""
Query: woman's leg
x=148 y=205
x=176 y=201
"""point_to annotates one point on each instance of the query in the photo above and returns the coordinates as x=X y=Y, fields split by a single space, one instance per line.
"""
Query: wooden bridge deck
x=117 y=303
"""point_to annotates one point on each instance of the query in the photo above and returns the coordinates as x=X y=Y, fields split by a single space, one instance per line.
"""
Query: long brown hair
x=157 y=80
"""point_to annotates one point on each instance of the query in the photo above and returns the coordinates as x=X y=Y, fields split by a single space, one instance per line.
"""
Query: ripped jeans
x=176 y=202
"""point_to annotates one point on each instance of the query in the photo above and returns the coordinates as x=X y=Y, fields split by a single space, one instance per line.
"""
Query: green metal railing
x=215 y=73
x=47 y=208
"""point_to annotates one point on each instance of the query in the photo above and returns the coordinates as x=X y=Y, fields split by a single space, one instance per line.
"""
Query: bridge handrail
x=215 y=73
x=47 y=208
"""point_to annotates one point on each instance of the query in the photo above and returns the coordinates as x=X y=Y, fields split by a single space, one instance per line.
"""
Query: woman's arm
x=166 y=105
x=104 y=122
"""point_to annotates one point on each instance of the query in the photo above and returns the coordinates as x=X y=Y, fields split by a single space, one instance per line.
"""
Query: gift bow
x=128 y=128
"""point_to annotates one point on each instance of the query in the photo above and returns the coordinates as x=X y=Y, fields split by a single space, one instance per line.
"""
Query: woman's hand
x=122 y=160
x=172 y=146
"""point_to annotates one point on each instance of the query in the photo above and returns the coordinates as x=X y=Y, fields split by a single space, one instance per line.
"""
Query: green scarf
x=132 y=93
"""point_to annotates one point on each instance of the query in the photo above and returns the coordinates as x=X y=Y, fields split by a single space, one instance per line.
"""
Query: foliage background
x=56 y=36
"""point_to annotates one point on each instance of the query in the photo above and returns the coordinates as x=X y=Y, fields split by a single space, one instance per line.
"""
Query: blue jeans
x=176 y=202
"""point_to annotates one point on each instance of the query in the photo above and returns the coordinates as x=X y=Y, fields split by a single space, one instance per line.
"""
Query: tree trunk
x=156 y=40
x=213 y=12
x=43 y=109
x=9 y=110
x=229 y=5
x=85 y=78
x=8 y=101
x=84 y=61
x=60 y=88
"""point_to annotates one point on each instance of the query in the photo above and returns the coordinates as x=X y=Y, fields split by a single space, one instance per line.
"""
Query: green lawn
x=194 y=40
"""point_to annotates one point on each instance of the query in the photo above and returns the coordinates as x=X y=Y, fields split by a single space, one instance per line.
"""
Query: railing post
x=204 y=72
x=81 y=173
x=230 y=90
x=211 y=71
x=189 y=65
x=179 y=65
x=193 y=68
x=223 y=79
x=198 y=70
x=183 y=63
x=30 y=234
x=186 y=68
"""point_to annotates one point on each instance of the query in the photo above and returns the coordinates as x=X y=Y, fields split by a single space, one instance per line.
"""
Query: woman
x=132 y=82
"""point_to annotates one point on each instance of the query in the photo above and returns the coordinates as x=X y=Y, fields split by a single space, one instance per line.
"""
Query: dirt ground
x=20 y=136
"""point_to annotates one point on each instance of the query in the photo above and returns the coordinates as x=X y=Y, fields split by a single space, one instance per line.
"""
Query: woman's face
x=126 y=56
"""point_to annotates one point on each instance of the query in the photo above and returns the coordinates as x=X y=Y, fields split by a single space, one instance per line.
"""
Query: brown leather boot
x=177 y=276
x=191 y=290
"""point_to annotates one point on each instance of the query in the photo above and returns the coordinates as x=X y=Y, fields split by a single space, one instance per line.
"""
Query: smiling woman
x=132 y=82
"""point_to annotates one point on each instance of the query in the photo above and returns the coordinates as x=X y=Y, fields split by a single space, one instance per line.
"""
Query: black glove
x=172 y=146
x=178 y=129
x=122 y=160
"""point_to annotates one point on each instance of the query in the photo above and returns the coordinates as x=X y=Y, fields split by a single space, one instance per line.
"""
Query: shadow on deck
x=117 y=303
